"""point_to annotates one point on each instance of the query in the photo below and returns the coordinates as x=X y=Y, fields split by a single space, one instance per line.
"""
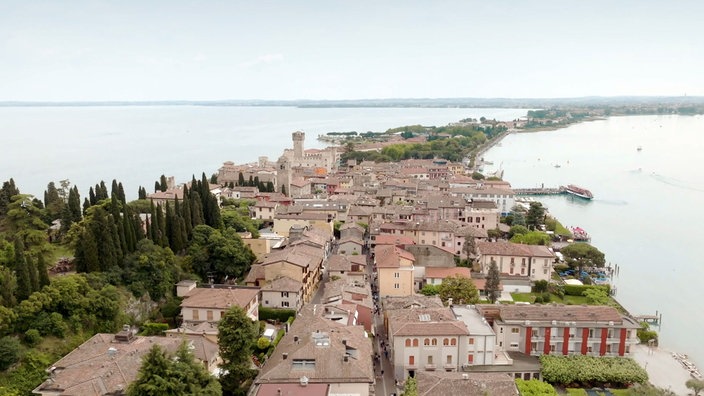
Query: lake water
x=136 y=144
x=646 y=215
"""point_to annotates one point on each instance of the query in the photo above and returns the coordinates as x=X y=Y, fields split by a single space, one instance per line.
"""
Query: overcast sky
x=210 y=50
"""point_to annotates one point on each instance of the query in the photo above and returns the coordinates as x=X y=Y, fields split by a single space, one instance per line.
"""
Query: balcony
x=430 y=367
x=449 y=366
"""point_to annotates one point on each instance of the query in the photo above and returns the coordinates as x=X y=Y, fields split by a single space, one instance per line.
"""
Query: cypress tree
x=121 y=193
x=141 y=193
x=42 y=272
x=186 y=215
x=91 y=257
x=117 y=242
x=240 y=180
x=24 y=283
x=154 y=226
x=103 y=191
x=162 y=239
x=74 y=204
x=163 y=185
x=32 y=270
x=93 y=198
x=113 y=188
x=157 y=186
x=86 y=205
x=169 y=225
x=250 y=183
x=196 y=209
x=269 y=186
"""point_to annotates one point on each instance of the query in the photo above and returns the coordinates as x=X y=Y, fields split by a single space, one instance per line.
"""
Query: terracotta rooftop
x=431 y=383
x=283 y=283
x=322 y=350
x=389 y=256
x=560 y=313
x=292 y=390
x=219 y=298
x=504 y=248
x=442 y=273
x=102 y=366
x=425 y=322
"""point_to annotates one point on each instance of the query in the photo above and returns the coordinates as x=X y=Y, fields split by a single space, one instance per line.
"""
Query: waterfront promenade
x=663 y=370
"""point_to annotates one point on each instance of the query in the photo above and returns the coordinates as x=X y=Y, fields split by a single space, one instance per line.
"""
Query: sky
x=130 y=50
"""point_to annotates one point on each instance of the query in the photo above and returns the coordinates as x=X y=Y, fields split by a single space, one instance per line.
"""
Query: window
x=415 y=342
x=515 y=330
x=426 y=341
x=552 y=348
x=471 y=341
x=449 y=359
x=591 y=333
x=445 y=342
x=470 y=359
x=453 y=341
x=435 y=341
x=535 y=332
x=397 y=286
x=408 y=342
x=397 y=275
x=284 y=304
x=514 y=345
x=195 y=315
x=501 y=330
x=209 y=315
x=284 y=294
x=430 y=359
x=302 y=364
x=411 y=360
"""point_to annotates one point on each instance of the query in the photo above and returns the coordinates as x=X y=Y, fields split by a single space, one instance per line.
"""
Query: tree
x=153 y=378
x=532 y=238
x=469 y=248
x=24 y=281
x=492 y=285
x=236 y=336
x=517 y=230
x=429 y=290
x=410 y=388
x=460 y=289
x=535 y=216
x=580 y=255
x=9 y=352
x=219 y=253
x=695 y=385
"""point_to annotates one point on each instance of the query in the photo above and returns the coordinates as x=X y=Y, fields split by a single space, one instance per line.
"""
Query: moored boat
x=579 y=191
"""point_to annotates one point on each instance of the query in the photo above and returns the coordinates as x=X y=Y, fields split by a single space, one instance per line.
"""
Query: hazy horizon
x=93 y=51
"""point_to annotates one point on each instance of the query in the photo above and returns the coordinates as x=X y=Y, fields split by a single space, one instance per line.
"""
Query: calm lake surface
x=137 y=144
x=646 y=215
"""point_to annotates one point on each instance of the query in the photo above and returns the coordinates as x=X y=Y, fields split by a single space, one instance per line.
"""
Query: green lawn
x=567 y=300
x=58 y=251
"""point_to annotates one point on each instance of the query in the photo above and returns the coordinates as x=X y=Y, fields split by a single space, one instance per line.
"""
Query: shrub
x=645 y=334
x=535 y=387
x=32 y=337
x=9 y=352
x=540 y=286
x=583 y=369
x=263 y=343
x=154 y=329
x=279 y=336
x=546 y=297
x=538 y=299
x=578 y=290
x=281 y=315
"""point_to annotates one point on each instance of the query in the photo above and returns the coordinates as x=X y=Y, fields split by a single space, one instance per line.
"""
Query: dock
x=540 y=191
x=650 y=319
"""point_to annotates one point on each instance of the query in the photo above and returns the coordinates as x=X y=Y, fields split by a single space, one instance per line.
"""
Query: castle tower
x=298 y=138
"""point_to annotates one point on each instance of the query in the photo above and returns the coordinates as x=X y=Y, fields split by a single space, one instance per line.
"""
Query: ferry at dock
x=579 y=191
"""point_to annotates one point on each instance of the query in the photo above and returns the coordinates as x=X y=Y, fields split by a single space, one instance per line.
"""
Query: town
x=383 y=278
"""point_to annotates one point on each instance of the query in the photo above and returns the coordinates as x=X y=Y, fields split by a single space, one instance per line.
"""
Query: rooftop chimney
x=284 y=355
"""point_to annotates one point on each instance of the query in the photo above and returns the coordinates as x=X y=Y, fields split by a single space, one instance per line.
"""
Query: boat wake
x=614 y=202
x=671 y=181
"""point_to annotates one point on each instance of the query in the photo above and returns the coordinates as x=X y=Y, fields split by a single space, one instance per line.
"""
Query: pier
x=655 y=320
x=540 y=191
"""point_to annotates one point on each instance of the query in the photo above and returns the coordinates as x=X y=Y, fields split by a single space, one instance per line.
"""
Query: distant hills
x=411 y=102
